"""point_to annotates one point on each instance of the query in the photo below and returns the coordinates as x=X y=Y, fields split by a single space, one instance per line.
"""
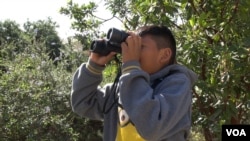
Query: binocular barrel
x=115 y=35
x=112 y=44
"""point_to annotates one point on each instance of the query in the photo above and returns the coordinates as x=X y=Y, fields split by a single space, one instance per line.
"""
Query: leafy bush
x=34 y=99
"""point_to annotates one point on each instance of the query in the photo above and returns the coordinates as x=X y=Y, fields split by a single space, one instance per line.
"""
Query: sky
x=22 y=11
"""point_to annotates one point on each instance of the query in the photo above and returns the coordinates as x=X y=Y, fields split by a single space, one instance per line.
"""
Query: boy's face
x=152 y=59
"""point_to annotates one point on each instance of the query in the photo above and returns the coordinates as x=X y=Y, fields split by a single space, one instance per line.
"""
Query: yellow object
x=126 y=131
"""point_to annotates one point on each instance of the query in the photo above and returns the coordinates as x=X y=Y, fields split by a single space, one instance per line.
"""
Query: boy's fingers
x=124 y=46
x=110 y=55
x=129 y=41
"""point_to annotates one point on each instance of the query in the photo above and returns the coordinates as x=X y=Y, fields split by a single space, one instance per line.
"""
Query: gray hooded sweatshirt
x=162 y=113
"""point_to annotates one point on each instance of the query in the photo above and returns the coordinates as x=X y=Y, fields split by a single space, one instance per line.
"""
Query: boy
x=154 y=93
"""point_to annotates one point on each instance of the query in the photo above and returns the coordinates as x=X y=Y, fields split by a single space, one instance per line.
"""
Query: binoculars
x=112 y=44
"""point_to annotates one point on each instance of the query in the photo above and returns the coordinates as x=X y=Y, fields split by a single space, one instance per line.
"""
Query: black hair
x=160 y=32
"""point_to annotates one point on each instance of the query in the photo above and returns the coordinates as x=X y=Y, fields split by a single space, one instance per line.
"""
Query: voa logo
x=236 y=132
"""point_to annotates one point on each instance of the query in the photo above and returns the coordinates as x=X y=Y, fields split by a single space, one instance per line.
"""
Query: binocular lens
x=115 y=35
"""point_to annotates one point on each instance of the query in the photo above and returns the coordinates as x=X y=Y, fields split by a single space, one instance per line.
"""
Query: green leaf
x=192 y=22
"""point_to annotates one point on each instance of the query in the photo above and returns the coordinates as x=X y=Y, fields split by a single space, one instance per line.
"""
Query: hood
x=174 y=68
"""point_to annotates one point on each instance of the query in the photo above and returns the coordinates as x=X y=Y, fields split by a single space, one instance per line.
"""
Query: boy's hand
x=131 y=48
x=101 y=60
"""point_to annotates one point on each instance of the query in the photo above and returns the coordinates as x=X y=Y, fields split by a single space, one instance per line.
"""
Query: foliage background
x=36 y=66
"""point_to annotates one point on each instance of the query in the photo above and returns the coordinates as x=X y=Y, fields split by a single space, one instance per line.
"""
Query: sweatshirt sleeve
x=156 y=114
x=86 y=98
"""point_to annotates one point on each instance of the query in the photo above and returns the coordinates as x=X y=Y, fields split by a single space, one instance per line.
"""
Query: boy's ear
x=166 y=54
